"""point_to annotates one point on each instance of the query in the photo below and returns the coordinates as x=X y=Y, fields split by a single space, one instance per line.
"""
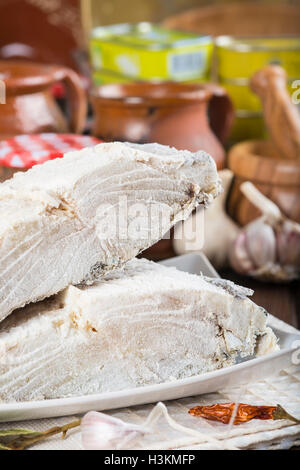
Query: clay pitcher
x=186 y=116
x=30 y=107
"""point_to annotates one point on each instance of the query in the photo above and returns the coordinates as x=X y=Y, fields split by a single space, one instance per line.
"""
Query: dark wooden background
x=281 y=300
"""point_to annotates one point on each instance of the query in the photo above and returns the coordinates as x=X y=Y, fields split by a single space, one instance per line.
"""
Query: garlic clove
x=238 y=255
x=288 y=243
x=103 y=432
x=260 y=243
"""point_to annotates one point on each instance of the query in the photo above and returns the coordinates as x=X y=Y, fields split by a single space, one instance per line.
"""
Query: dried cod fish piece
x=71 y=220
x=143 y=324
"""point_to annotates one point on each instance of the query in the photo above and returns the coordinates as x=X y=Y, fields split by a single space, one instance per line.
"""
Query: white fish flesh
x=70 y=220
x=139 y=325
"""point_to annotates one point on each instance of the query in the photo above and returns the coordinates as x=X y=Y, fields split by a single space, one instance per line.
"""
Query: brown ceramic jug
x=185 y=116
x=29 y=106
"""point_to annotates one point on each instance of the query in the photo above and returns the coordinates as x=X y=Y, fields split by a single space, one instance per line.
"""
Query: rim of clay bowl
x=26 y=75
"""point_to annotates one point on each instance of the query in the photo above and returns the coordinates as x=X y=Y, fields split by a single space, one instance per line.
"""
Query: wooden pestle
x=280 y=114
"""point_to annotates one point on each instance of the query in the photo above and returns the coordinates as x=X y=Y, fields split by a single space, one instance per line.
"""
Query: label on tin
x=188 y=63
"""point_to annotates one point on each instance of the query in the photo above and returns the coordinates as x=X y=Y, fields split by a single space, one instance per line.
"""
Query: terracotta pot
x=277 y=178
x=174 y=114
x=30 y=107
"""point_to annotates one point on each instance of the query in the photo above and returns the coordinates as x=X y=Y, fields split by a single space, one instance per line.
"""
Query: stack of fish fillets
x=79 y=313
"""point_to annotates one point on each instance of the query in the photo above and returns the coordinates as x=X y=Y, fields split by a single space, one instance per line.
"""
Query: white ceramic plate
x=244 y=372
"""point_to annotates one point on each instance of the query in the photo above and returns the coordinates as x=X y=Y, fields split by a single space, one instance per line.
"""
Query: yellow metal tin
x=242 y=57
x=238 y=59
x=243 y=98
x=148 y=52
x=248 y=127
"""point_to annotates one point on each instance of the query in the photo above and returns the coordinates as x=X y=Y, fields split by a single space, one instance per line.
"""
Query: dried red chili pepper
x=224 y=411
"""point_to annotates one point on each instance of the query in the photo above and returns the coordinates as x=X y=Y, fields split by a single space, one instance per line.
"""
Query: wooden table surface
x=281 y=300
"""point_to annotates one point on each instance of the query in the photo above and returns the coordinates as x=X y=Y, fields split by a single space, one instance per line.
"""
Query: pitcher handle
x=221 y=112
x=76 y=97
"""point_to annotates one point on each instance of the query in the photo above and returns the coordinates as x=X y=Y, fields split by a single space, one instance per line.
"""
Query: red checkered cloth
x=25 y=151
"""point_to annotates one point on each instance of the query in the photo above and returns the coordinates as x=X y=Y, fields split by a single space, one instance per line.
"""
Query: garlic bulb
x=269 y=247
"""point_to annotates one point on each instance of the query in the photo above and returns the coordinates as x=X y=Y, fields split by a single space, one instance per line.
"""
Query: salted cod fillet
x=143 y=324
x=55 y=224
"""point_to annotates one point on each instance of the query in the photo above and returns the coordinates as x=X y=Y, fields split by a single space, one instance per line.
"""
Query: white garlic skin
x=103 y=432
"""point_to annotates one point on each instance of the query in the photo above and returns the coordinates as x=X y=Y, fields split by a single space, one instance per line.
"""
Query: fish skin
x=143 y=324
x=51 y=217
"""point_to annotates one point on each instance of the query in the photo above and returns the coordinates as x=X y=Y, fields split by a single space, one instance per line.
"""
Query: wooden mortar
x=279 y=179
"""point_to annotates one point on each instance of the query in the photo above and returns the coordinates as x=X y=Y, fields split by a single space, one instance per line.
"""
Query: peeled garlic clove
x=239 y=256
x=103 y=432
x=288 y=243
x=261 y=243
